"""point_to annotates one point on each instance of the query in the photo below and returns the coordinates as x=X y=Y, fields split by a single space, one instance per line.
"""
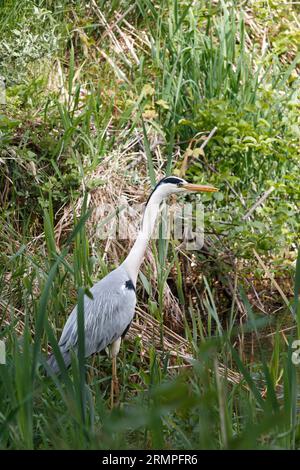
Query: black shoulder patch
x=126 y=329
x=129 y=285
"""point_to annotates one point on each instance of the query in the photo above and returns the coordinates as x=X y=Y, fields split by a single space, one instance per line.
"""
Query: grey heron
x=108 y=315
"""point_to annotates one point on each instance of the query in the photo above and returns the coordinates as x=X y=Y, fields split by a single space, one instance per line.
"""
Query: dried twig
x=258 y=203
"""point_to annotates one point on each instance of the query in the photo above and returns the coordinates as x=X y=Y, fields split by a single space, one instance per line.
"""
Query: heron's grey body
x=106 y=317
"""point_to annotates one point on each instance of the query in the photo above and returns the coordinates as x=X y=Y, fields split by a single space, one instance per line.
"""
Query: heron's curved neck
x=135 y=257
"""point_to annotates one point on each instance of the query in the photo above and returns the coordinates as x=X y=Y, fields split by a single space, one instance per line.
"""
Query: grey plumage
x=110 y=312
x=106 y=316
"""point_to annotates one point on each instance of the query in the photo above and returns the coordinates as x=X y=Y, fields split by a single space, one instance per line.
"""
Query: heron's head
x=173 y=184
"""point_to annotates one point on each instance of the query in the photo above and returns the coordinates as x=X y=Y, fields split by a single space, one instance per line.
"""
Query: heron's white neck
x=135 y=257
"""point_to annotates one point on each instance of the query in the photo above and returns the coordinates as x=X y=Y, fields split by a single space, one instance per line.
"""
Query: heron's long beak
x=199 y=188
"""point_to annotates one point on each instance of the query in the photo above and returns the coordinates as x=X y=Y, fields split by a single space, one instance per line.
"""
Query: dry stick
x=129 y=45
x=202 y=147
x=272 y=279
x=258 y=203
x=210 y=135
x=213 y=170
x=247 y=216
x=119 y=20
x=283 y=330
x=183 y=169
x=260 y=305
x=112 y=36
x=120 y=74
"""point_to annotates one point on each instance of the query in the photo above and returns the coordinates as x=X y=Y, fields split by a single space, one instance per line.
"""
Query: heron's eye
x=180 y=184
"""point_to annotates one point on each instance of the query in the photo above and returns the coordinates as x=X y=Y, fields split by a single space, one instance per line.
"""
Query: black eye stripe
x=167 y=179
x=171 y=179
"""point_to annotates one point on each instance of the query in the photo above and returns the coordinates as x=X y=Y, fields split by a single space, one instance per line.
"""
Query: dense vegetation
x=103 y=99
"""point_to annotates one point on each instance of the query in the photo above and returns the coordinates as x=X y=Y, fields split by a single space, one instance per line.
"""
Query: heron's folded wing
x=106 y=316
